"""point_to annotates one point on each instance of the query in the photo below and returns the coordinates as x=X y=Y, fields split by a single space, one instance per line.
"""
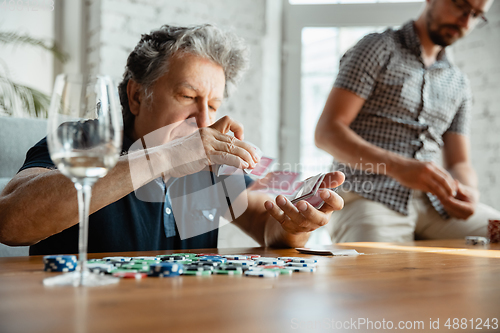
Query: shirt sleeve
x=360 y=66
x=461 y=122
x=38 y=157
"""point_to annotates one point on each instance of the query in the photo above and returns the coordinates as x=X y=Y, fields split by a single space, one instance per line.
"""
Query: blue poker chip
x=298 y=264
x=213 y=259
x=60 y=263
x=165 y=269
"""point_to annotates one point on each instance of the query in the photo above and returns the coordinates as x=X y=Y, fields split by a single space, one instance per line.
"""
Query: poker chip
x=269 y=261
x=241 y=262
x=265 y=273
x=253 y=256
x=298 y=260
x=130 y=275
x=301 y=269
x=60 y=263
x=140 y=267
x=474 y=240
x=298 y=264
x=281 y=271
x=173 y=258
x=494 y=231
x=213 y=259
x=100 y=267
x=165 y=269
x=156 y=259
x=117 y=259
x=197 y=273
x=196 y=268
x=235 y=257
x=208 y=255
x=228 y=272
x=206 y=263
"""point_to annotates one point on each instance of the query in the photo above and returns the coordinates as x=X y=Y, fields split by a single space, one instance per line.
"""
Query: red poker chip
x=271 y=266
x=252 y=256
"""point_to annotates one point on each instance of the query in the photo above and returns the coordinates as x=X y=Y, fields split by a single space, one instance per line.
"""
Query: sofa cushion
x=17 y=135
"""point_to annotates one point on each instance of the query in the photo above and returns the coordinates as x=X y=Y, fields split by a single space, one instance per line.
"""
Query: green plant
x=12 y=94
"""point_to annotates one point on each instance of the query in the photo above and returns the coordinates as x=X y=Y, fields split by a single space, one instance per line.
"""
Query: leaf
x=51 y=46
x=16 y=96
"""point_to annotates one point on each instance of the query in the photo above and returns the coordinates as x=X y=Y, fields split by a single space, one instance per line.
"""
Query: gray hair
x=149 y=60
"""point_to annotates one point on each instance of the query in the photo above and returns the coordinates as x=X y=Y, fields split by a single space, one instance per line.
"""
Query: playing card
x=309 y=189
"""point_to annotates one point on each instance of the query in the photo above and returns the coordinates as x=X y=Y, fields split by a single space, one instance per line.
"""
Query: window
x=315 y=37
x=322 y=49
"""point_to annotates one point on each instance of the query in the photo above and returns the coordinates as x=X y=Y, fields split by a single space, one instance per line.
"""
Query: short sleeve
x=461 y=121
x=360 y=66
x=38 y=157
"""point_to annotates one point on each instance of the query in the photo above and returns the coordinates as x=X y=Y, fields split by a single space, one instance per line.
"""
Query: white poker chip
x=298 y=264
x=302 y=269
x=100 y=266
x=235 y=257
x=305 y=260
x=117 y=258
x=147 y=258
x=269 y=261
x=262 y=273
x=241 y=262
x=288 y=258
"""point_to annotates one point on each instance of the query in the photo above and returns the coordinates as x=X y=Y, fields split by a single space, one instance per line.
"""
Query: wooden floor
x=410 y=284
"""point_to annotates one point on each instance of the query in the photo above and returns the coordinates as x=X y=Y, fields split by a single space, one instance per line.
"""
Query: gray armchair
x=17 y=135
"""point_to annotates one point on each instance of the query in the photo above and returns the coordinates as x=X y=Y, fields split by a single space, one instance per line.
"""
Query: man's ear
x=134 y=93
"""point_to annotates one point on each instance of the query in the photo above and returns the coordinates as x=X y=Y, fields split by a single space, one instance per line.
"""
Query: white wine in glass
x=85 y=131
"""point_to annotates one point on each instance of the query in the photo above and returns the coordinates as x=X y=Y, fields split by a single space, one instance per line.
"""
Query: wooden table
x=414 y=284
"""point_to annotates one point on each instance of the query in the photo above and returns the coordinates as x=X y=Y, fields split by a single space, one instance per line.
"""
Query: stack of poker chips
x=494 y=231
x=60 y=263
x=204 y=264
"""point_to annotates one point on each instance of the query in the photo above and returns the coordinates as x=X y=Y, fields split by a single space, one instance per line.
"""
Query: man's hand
x=427 y=177
x=304 y=218
x=208 y=146
x=463 y=205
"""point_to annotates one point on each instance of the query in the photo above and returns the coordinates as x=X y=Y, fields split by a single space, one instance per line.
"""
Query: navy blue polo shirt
x=134 y=223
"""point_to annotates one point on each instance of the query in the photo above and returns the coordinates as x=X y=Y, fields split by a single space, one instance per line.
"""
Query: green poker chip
x=224 y=272
x=197 y=273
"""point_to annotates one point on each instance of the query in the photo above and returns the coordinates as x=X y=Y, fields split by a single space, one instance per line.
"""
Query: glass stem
x=84 y=191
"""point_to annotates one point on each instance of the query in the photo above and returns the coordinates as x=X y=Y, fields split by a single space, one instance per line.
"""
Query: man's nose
x=466 y=20
x=203 y=115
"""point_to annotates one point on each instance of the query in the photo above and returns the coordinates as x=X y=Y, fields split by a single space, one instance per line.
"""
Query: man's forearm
x=36 y=206
x=464 y=173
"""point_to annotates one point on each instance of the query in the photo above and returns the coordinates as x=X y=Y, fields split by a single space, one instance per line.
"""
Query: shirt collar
x=412 y=42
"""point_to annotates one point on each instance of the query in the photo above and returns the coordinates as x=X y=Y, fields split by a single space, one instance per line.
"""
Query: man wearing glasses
x=397 y=103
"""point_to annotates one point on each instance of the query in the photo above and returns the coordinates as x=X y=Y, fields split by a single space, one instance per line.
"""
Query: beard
x=437 y=32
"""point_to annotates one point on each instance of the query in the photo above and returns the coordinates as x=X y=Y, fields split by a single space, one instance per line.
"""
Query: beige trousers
x=363 y=220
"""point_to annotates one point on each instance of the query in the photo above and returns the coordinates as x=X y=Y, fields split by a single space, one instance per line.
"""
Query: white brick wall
x=115 y=27
x=478 y=56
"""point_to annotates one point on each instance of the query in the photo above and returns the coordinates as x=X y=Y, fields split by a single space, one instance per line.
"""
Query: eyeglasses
x=464 y=8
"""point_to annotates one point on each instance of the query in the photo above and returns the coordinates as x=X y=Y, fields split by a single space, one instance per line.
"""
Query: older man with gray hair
x=175 y=81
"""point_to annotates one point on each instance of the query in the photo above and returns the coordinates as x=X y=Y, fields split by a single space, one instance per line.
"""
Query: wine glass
x=84 y=140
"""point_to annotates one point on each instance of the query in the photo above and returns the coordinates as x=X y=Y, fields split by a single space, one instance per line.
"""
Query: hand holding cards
x=281 y=182
x=259 y=171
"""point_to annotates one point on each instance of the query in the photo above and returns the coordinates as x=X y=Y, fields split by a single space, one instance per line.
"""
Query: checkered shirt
x=407 y=108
